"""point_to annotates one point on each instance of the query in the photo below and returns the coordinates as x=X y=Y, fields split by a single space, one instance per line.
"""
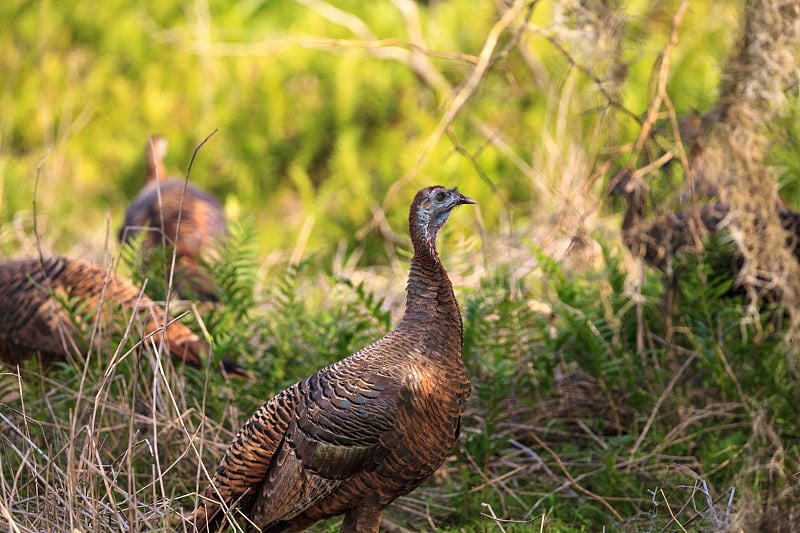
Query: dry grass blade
x=675 y=378
x=574 y=481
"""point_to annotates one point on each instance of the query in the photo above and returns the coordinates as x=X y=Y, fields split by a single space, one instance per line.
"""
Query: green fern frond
x=236 y=270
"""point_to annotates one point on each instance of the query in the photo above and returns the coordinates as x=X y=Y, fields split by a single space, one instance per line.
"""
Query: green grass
x=568 y=428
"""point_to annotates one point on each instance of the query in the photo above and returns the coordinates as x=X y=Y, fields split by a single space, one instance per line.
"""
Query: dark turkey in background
x=176 y=214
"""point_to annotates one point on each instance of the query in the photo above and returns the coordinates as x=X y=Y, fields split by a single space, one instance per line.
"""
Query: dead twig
x=672 y=382
x=574 y=482
x=465 y=93
x=663 y=74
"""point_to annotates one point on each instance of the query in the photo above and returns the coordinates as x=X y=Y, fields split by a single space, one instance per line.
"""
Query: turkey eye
x=440 y=196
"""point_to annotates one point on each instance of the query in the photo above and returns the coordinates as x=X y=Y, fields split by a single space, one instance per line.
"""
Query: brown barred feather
x=37 y=298
x=357 y=434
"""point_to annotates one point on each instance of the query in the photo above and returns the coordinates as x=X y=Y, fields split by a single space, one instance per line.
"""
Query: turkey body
x=657 y=240
x=38 y=297
x=190 y=220
x=359 y=433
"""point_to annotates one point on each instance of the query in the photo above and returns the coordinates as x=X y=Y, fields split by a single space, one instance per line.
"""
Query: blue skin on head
x=439 y=202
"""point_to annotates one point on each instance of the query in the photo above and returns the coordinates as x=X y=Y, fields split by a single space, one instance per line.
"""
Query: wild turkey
x=359 y=433
x=35 y=295
x=157 y=209
x=790 y=221
x=657 y=240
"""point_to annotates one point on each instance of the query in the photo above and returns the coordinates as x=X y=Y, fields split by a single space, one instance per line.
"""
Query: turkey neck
x=431 y=308
x=635 y=208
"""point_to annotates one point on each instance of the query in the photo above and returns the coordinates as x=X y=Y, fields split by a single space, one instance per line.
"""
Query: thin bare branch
x=663 y=76
x=611 y=99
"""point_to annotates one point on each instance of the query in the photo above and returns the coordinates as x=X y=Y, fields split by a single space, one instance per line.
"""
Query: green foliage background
x=308 y=127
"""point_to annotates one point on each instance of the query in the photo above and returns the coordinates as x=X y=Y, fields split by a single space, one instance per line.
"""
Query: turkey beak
x=462 y=199
x=231 y=368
